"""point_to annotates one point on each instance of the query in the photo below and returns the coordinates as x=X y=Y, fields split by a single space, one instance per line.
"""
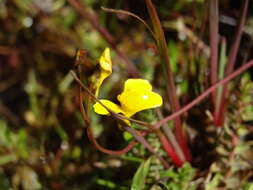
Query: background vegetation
x=43 y=141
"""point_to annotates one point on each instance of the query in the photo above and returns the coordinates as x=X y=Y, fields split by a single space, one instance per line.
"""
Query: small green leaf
x=214 y=182
x=173 y=55
x=106 y=183
x=180 y=179
x=127 y=136
x=140 y=175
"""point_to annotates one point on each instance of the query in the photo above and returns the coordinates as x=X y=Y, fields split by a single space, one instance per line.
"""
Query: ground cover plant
x=126 y=94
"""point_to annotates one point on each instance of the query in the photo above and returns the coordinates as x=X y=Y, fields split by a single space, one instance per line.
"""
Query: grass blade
x=140 y=176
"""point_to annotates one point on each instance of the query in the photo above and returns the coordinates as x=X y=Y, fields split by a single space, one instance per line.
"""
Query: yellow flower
x=136 y=96
x=105 y=69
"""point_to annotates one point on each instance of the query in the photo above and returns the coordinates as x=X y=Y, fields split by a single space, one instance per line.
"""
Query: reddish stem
x=171 y=88
x=203 y=95
x=170 y=150
x=213 y=36
x=219 y=115
x=108 y=151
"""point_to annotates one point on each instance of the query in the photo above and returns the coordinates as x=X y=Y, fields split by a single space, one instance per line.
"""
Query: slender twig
x=93 y=19
x=219 y=115
x=204 y=95
x=171 y=88
x=108 y=151
x=81 y=106
x=213 y=36
x=120 y=11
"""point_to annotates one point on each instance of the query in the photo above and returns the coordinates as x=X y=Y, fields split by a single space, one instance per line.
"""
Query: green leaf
x=140 y=176
x=11 y=140
x=214 y=182
x=106 y=183
x=127 y=136
x=180 y=179
x=249 y=186
x=173 y=55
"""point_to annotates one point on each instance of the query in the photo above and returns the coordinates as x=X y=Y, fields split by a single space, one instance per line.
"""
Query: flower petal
x=99 y=109
x=105 y=64
x=131 y=84
x=137 y=96
x=105 y=61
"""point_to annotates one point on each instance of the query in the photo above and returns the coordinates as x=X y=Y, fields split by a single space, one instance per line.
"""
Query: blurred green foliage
x=180 y=179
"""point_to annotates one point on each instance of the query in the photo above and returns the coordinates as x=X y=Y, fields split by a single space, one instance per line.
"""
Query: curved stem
x=108 y=151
